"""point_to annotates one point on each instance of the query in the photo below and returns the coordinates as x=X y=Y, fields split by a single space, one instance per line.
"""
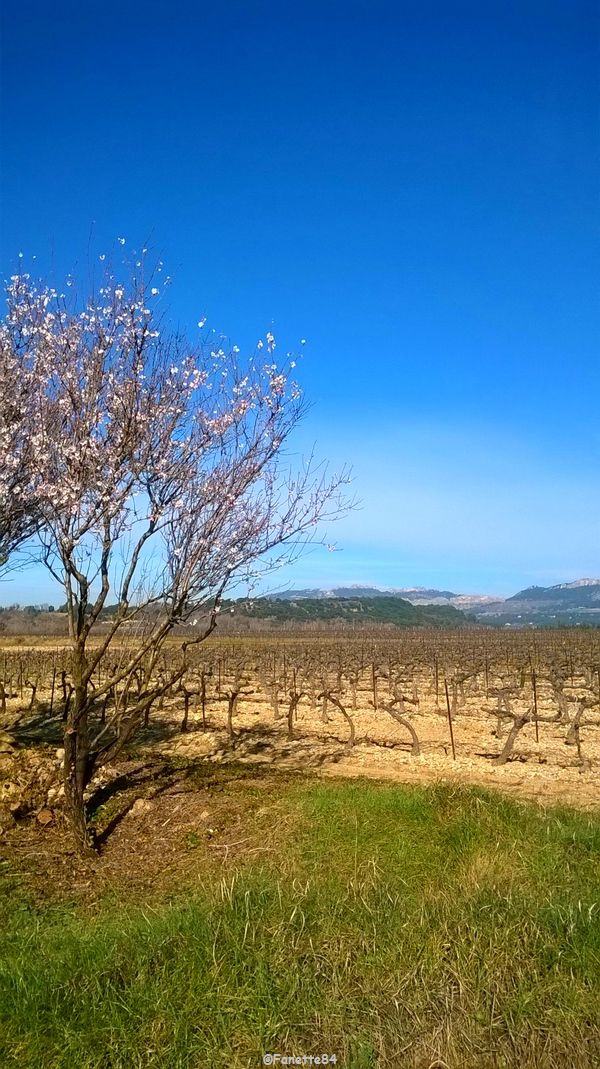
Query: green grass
x=395 y=926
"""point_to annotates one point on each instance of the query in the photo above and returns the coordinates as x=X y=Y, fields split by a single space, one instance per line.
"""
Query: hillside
x=582 y=594
x=354 y=611
x=566 y=604
x=416 y=595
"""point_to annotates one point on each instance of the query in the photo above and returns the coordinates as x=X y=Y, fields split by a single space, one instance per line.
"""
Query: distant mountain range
x=567 y=604
x=577 y=602
x=416 y=595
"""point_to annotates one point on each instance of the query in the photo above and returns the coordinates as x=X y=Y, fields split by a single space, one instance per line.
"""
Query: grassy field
x=392 y=926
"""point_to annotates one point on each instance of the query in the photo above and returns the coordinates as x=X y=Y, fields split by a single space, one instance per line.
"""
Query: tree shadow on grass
x=253 y=751
x=103 y=836
x=149 y=782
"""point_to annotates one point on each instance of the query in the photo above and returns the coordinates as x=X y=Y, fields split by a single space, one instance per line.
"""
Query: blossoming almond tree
x=159 y=481
x=20 y=369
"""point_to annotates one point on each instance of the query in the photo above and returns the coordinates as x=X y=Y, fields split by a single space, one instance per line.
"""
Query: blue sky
x=411 y=188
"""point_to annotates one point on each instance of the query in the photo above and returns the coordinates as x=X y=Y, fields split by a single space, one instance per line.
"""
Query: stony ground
x=548 y=770
x=174 y=793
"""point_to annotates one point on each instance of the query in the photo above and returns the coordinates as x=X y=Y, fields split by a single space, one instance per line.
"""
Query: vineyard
x=426 y=704
x=288 y=906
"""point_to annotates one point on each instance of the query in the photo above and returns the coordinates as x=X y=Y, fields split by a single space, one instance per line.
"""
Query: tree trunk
x=186 y=710
x=77 y=762
x=416 y=747
x=518 y=723
x=231 y=706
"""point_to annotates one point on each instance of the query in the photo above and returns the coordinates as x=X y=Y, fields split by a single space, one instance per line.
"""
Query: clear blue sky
x=411 y=187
